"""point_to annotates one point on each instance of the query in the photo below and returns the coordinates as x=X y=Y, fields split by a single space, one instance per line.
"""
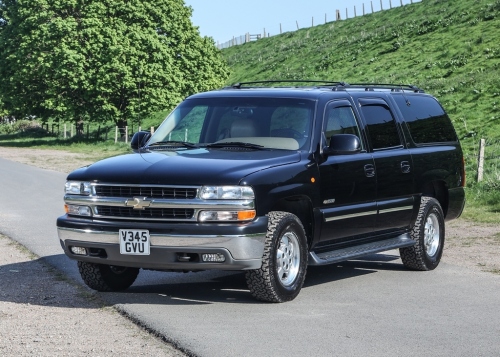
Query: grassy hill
x=449 y=48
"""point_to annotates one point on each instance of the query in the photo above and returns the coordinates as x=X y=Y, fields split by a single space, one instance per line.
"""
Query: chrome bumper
x=242 y=252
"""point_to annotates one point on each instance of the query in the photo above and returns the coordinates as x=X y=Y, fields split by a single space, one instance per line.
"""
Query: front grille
x=148 y=213
x=145 y=191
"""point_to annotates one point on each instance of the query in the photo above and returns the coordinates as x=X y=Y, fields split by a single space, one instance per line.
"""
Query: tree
x=102 y=59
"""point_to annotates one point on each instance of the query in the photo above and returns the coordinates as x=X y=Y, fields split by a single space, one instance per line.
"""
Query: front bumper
x=241 y=245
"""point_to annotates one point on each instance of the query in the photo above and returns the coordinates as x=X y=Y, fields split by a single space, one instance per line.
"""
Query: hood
x=184 y=167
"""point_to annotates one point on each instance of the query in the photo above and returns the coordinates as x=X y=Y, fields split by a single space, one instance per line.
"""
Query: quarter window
x=426 y=119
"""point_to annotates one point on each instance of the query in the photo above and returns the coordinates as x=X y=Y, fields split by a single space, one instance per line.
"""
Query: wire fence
x=374 y=6
x=94 y=131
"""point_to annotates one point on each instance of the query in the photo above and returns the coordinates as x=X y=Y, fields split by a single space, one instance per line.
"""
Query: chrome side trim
x=396 y=209
x=347 y=216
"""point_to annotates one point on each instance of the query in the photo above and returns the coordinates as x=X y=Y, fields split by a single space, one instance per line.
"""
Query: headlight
x=226 y=193
x=77 y=188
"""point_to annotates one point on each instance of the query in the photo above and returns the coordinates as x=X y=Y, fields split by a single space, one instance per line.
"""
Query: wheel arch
x=302 y=207
x=438 y=190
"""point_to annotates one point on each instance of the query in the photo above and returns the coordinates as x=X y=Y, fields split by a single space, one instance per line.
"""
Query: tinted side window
x=381 y=125
x=340 y=120
x=427 y=121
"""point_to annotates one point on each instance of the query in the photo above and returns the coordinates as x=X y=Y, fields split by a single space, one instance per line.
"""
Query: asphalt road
x=369 y=307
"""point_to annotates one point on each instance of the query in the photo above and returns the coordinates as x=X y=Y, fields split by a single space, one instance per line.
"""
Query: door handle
x=369 y=170
x=405 y=167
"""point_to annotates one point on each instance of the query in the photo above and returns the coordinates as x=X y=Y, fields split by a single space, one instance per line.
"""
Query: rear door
x=393 y=165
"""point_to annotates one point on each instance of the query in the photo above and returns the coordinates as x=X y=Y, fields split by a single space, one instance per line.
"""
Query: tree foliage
x=102 y=59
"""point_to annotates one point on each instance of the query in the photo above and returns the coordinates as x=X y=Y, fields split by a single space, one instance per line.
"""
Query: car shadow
x=210 y=287
x=36 y=282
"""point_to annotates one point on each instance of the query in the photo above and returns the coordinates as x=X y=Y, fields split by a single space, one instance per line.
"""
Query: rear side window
x=426 y=119
x=381 y=125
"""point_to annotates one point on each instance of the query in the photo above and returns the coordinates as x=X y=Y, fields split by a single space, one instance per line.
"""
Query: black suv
x=269 y=180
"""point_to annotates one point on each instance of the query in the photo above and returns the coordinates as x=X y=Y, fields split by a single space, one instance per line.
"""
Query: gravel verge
x=44 y=314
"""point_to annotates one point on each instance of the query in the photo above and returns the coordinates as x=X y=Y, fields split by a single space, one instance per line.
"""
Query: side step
x=357 y=251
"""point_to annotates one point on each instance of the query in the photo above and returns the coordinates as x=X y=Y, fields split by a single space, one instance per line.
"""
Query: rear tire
x=284 y=263
x=102 y=277
x=428 y=233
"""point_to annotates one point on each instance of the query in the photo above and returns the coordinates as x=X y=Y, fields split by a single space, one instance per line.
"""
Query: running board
x=357 y=251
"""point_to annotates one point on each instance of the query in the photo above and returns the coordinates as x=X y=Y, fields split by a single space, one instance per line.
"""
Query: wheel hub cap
x=431 y=235
x=288 y=259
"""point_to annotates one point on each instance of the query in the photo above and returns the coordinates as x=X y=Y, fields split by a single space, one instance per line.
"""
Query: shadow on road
x=229 y=287
x=36 y=282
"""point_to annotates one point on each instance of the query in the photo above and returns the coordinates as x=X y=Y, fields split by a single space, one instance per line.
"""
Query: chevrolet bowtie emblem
x=138 y=203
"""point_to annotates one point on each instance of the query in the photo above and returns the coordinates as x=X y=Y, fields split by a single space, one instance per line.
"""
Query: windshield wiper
x=236 y=144
x=175 y=143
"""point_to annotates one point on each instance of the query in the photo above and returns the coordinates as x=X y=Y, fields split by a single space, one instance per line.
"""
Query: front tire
x=428 y=233
x=102 y=277
x=284 y=263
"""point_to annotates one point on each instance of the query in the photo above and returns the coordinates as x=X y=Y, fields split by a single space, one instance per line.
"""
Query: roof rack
x=380 y=86
x=239 y=85
x=337 y=86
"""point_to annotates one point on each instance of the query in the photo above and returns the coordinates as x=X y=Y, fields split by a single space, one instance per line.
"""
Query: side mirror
x=343 y=144
x=139 y=140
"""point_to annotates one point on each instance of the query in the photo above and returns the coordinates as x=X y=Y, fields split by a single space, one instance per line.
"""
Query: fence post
x=363 y=9
x=64 y=130
x=297 y=24
x=381 y=6
x=116 y=134
x=355 y=11
x=346 y=14
x=372 y=6
x=88 y=129
x=186 y=135
x=325 y=18
x=152 y=130
x=126 y=134
x=312 y=21
x=337 y=15
x=281 y=30
x=480 y=162
x=71 y=125
x=401 y=1
x=390 y=4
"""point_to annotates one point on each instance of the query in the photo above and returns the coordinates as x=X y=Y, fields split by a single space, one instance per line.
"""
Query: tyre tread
x=414 y=257
x=260 y=281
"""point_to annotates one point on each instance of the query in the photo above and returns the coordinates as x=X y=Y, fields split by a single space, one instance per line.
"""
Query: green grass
x=90 y=147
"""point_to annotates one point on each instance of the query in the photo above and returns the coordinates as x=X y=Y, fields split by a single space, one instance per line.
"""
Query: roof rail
x=375 y=86
x=337 y=86
x=239 y=85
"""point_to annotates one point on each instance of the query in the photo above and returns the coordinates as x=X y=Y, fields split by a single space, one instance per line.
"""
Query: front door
x=348 y=182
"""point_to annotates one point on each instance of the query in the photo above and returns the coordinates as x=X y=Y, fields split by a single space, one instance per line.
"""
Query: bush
x=25 y=128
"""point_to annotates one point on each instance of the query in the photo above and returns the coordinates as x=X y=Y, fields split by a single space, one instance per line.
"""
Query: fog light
x=226 y=216
x=78 y=250
x=213 y=257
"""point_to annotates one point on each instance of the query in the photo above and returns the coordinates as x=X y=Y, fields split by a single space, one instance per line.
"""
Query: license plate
x=134 y=241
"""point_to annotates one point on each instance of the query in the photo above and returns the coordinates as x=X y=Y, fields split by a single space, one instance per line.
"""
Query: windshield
x=270 y=123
